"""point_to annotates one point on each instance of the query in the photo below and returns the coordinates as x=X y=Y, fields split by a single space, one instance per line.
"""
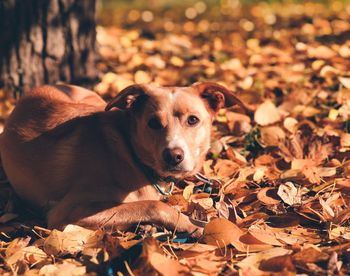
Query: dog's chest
x=147 y=192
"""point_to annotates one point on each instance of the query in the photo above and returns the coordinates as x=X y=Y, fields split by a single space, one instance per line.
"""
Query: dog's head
x=171 y=125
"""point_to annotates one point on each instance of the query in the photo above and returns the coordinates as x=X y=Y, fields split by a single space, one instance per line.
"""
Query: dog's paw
x=197 y=233
x=147 y=229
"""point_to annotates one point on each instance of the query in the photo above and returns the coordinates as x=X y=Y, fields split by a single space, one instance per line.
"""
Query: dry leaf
x=255 y=260
x=225 y=168
x=310 y=254
x=267 y=114
x=62 y=270
x=70 y=241
x=221 y=232
x=268 y=196
x=262 y=233
x=320 y=52
x=30 y=255
x=153 y=257
x=345 y=82
x=290 y=124
x=272 y=136
x=282 y=263
x=290 y=194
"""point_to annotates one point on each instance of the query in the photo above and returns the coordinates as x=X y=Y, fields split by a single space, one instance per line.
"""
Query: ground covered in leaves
x=279 y=199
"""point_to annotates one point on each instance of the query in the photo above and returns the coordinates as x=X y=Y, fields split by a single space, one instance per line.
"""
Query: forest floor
x=279 y=203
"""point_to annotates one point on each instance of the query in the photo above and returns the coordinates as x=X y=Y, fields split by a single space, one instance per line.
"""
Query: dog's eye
x=154 y=123
x=192 y=120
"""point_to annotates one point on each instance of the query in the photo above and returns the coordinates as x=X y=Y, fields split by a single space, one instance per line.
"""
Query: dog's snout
x=173 y=156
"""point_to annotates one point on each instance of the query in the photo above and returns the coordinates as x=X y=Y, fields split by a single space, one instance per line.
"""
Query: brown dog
x=84 y=162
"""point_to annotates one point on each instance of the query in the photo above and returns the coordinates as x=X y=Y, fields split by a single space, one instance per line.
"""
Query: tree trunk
x=45 y=41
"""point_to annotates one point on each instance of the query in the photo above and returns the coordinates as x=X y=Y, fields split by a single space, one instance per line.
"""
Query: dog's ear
x=217 y=96
x=128 y=97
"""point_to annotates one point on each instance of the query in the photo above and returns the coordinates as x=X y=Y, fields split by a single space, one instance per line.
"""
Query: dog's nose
x=173 y=156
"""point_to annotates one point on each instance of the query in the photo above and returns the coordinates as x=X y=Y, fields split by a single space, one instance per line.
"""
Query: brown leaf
x=179 y=201
x=221 y=232
x=70 y=241
x=286 y=220
x=16 y=245
x=278 y=264
x=225 y=168
x=272 y=136
x=254 y=260
x=264 y=234
x=268 y=196
x=311 y=254
x=153 y=260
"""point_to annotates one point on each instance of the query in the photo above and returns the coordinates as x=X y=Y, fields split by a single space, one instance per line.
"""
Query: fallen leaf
x=142 y=77
x=282 y=263
x=267 y=114
x=254 y=260
x=62 y=269
x=30 y=255
x=225 y=168
x=289 y=194
x=290 y=124
x=345 y=82
x=285 y=220
x=264 y=234
x=16 y=245
x=320 y=52
x=310 y=254
x=221 y=232
x=268 y=196
x=70 y=241
x=272 y=136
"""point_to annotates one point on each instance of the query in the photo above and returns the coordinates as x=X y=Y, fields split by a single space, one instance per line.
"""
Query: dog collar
x=155 y=179
x=162 y=191
x=172 y=182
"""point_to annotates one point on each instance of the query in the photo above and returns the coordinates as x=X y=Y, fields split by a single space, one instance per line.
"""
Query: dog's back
x=49 y=106
x=22 y=144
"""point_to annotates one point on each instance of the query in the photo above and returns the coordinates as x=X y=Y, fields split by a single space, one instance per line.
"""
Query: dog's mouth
x=176 y=172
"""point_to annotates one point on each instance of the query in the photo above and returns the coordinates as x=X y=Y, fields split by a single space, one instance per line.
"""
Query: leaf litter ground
x=280 y=193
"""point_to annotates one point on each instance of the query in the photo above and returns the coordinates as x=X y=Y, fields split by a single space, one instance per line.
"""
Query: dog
x=83 y=161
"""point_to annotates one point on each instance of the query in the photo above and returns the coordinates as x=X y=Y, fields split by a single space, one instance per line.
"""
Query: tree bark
x=45 y=41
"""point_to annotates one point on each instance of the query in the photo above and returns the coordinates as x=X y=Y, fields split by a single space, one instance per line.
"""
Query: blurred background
x=257 y=48
x=180 y=42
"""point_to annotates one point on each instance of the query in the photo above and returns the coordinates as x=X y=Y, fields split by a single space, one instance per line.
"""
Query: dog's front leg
x=128 y=214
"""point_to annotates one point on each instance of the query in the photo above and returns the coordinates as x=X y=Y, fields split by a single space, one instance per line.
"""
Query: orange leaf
x=221 y=232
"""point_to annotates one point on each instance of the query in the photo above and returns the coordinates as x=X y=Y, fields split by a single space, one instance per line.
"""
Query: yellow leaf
x=333 y=114
x=188 y=191
x=176 y=61
x=321 y=52
x=345 y=82
x=267 y=113
x=29 y=254
x=71 y=240
x=290 y=124
x=142 y=77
